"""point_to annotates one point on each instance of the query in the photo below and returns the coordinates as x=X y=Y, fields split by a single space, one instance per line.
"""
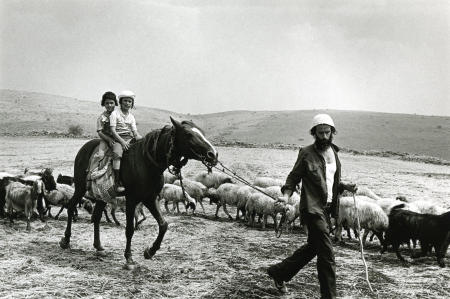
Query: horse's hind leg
x=96 y=217
x=153 y=207
x=129 y=231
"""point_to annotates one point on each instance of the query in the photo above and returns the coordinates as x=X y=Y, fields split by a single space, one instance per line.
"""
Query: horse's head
x=191 y=143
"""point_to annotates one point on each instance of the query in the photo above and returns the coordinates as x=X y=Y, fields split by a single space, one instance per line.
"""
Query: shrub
x=76 y=130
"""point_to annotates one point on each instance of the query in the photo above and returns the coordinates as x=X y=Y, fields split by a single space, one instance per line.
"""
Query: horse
x=141 y=171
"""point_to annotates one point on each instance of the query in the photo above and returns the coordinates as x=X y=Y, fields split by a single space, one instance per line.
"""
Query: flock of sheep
x=392 y=221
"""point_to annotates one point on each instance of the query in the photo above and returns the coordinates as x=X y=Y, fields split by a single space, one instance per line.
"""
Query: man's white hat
x=126 y=94
x=322 y=119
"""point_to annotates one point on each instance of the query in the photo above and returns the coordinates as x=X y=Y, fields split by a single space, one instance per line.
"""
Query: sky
x=204 y=56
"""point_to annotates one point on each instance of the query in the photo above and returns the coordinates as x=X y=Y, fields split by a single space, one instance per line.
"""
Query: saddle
x=100 y=181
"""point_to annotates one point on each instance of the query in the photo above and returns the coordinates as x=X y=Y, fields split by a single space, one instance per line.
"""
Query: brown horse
x=141 y=171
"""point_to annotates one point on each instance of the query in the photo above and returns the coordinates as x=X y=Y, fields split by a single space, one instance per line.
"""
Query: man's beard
x=324 y=144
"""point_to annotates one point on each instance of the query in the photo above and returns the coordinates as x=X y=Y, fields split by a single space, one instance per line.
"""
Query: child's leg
x=102 y=148
x=117 y=155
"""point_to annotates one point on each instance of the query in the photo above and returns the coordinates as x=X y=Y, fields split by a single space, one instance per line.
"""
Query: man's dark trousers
x=319 y=243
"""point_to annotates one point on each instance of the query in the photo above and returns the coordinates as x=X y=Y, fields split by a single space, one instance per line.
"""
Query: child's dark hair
x=109 y=95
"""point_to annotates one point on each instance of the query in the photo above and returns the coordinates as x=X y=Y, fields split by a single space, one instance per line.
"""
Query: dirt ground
x=203 y=257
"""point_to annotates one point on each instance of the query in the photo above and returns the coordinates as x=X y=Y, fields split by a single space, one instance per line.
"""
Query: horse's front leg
x=71 y=206
x=153 y=207
x=96 y=217
x=129 y=231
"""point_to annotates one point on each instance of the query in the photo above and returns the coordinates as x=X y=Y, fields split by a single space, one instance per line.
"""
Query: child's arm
x=116 y=136
x=136 y=135
x=103 y=136
x=106 y=138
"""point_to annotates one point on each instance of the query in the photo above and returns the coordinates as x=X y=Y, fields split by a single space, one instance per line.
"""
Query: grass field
x=203 y=257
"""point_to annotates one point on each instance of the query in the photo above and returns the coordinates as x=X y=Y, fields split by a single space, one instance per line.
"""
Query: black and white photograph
x=224 y=149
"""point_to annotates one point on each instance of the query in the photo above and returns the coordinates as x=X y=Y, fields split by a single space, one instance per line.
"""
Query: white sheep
x=195 y=189
x=293 y=209
x=273 y=191
x=388 y=203
x=213 y=179
x=22 y=198
x=119 y=202
x=226 y=194
x=426 y=207
x=362 y=191
x=61 y=197
x=5 y=174
x=267 y=182
x=262 y=205
x=243 y=194
x=371 y=217
x=169 y=178
x=174 y=194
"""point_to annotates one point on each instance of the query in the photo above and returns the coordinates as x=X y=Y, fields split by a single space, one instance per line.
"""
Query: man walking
x=319 y=169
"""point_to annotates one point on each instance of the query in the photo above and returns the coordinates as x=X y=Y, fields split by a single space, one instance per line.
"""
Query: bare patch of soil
x=202 y=257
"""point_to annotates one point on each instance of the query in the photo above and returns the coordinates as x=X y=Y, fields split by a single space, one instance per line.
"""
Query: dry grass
x=202 y=257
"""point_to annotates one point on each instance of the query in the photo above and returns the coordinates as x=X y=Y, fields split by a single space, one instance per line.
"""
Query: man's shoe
x=279 y=284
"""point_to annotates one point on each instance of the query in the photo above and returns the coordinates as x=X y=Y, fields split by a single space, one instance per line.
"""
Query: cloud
x=208 y=56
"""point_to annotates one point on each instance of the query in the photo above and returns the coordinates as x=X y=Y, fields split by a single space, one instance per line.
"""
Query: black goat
x=65 y=179
x=430 y=230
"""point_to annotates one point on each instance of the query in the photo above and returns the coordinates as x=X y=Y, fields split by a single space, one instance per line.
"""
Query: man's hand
x=283 y=199
x=351 y=188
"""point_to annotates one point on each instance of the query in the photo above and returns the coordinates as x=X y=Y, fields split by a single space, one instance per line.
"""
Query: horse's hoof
x=101 y=253
x=149 y=253
x=64 y=244
x=129 y=266
x=99 y=247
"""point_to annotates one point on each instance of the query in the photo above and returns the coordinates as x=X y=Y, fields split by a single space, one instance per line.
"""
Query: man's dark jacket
x=310 y=169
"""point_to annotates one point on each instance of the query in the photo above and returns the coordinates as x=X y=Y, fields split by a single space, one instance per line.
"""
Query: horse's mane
x=147 y=146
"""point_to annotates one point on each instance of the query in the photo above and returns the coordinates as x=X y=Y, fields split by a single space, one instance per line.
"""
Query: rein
x=230 y=173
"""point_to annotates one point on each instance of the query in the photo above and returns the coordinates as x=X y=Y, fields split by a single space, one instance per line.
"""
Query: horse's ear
x=175 y=123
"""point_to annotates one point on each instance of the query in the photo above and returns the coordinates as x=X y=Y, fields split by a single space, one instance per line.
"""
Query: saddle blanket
x=100 y=178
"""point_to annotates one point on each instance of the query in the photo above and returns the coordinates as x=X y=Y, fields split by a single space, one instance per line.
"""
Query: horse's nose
x=211 y=155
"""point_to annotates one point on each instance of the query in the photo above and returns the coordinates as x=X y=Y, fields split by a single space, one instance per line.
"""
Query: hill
x=30 y=113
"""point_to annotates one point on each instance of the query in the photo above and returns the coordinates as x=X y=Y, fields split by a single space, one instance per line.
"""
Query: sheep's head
x=227 y=180
x=212 y=194
x=290 y=213
x=87 y=205
x=191 y=205
x=281 y=207
x=401 y=198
